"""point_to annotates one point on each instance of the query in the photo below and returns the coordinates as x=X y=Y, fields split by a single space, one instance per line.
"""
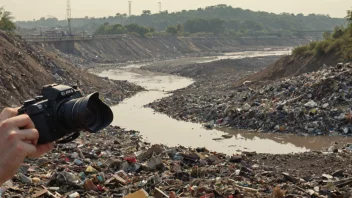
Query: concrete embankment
x=124 y=49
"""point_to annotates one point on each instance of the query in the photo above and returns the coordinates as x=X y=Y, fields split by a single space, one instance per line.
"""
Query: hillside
x=24 y=69
x=236 y=19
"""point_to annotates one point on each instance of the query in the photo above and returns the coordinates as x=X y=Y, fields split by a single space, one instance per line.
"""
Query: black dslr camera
x=61 y=112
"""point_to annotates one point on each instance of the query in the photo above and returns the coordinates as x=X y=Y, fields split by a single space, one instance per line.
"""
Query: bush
x=300 y=50
x=6 y=22
x=321 y=48
x=339 y=43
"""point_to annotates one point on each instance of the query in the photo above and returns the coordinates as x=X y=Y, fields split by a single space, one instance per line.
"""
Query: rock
x=325 y=105
x=209 y=125
x=74 y=195
x=227 y=136
x=235 y=159
x=191 y=156
x=77 y=162
x=290 y=178
x=311 y=104
x=338 y=173
x=35 y=180
x=24 y=179
x=326 y=176
x=74 y=155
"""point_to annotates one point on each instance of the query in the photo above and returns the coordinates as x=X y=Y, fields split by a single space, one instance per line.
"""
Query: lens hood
x=91 y=113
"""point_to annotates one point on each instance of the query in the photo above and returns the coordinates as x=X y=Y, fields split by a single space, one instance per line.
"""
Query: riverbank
x=124 y=163
x=162 y=129
x=310 y=104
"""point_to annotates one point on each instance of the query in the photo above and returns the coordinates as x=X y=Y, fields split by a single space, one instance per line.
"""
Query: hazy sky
x=34 y=9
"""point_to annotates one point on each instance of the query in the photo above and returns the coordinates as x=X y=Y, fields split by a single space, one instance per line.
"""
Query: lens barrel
x=88 y=113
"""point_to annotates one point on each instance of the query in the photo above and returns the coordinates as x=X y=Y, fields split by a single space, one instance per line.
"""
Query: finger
x=8 y=113
x=21 y=121
x=42 y=149
x=27 y=135
x=26 y=149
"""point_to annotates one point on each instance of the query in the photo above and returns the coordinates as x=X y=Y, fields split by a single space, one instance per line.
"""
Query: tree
x=6 y=20
x=146 y=12
x=175 y=30
x=234 y=17
x=327 y=35
x=179 y=28
x=172 y=30
x=349 y=16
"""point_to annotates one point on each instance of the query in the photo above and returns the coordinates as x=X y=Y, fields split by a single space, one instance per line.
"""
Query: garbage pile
x=118 y=163
x=316 y=103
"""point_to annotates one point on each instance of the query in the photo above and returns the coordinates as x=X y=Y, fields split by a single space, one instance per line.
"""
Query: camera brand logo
x=67 y=92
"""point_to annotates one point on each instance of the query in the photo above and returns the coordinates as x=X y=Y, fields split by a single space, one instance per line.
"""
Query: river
x=161 y=129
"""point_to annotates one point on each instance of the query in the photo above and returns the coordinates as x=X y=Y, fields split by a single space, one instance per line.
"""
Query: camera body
x=61 y=111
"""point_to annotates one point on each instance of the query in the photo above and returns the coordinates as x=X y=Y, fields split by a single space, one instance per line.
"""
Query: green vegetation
x=338 y=43
x=215 y=26
x=233 y=21
x=349 y=16
x=6 y=20
x=120 y=29
x=175 y=30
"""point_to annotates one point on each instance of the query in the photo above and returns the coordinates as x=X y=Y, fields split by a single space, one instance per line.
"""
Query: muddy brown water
x=161 y=129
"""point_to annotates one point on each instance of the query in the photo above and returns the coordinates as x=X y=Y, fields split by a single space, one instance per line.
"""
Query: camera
x=61 y=112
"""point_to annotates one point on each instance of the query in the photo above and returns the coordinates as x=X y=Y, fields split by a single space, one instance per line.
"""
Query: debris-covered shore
x=118 y=163
x=316 y=103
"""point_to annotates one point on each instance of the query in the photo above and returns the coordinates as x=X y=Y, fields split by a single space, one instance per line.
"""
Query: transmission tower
x=68 y=15
x=129 y=9
x=159 y=7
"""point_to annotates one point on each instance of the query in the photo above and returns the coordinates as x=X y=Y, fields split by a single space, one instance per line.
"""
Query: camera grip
x=42 y=127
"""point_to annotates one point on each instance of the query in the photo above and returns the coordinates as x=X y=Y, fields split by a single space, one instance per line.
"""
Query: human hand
x=16 y=144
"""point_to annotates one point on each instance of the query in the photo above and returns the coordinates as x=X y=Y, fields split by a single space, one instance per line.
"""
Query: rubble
x=315 y=103
x=118 y=163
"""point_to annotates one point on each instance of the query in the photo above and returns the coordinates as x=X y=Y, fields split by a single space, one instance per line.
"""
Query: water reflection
x=160 y=128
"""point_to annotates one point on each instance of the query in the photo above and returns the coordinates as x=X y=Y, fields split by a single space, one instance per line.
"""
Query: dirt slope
x=289 y=66
x=127 y=48
x=24 y=69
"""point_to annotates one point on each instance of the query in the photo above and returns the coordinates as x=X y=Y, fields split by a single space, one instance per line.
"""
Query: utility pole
x=159 y=7
x=68 y=15
x=129 y=9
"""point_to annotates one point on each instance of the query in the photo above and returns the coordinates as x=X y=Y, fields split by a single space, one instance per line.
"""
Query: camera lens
x=91 y=115
x=88 y=113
